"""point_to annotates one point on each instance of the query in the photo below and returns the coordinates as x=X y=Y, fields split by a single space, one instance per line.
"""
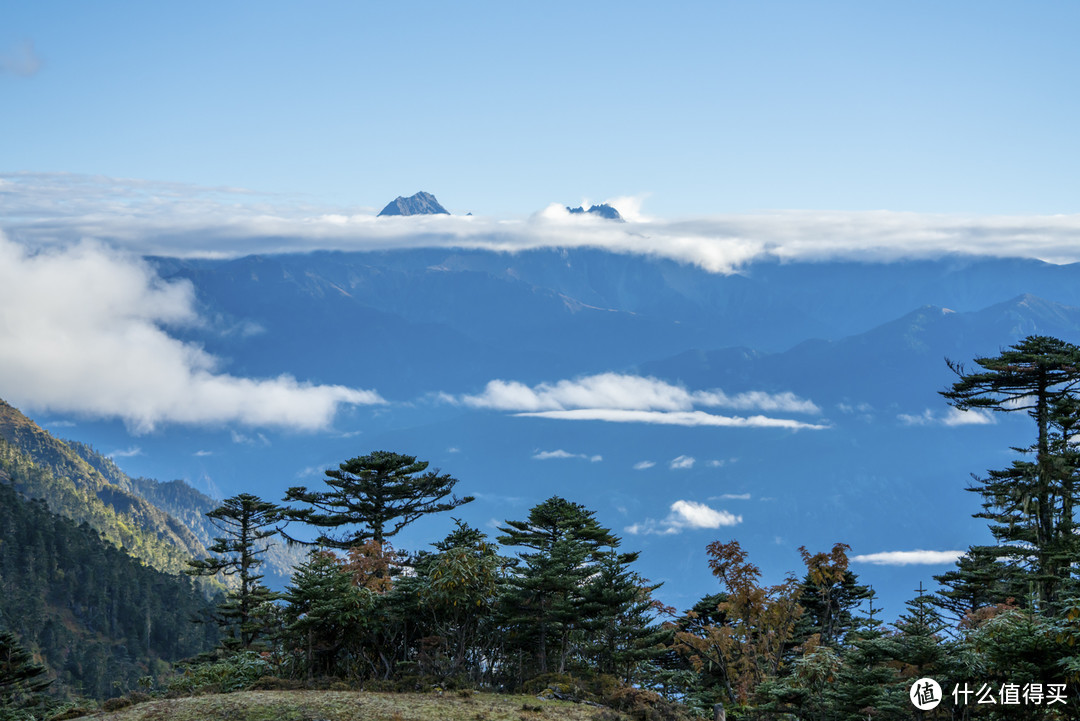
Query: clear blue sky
x=501 y=108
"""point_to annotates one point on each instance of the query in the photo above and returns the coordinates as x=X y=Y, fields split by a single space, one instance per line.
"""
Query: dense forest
x=99 y=619
x=552 y=604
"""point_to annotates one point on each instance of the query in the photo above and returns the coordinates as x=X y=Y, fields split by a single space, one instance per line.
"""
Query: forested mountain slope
x=100 y=619
x=40 y=466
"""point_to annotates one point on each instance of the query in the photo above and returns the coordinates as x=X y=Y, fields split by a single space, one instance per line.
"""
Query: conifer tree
x=246 y=521
x=867 y=685
x=324 y=610
x=620 y=629
x=20 y=676
x=547 y=594
x=381 y=493
x=1030 y=505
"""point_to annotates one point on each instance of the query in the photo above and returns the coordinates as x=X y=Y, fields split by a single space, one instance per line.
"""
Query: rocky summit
x=420 y=204
x=603 y=210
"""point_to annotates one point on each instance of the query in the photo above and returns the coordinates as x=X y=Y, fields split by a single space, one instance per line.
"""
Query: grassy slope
x=357 y=706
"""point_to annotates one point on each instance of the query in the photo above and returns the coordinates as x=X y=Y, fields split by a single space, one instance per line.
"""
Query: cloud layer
x=620 y=398
x=186 y=220
x=83 y=332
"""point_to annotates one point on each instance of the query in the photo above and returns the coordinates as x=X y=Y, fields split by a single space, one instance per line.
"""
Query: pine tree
x=1030 y=505
x=866 y=684
x=20 y=677
x=548 y=587
x=247 y=521
x=620 y=630
x=381 y=493
x=323 y=612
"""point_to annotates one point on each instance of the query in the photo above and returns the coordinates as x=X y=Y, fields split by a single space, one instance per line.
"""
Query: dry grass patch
x=356 y=706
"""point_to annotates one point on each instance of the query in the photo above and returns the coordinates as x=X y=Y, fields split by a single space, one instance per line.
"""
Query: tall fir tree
x=247 y=521
x=1030 y=505
x=620 y=631
x=547 y=590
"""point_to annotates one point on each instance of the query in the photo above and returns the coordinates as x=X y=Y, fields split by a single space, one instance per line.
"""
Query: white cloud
x=186 y=220
x=677 y=418
x=643 y=465
x=953 y=417
x=681 y=462
x=560 y=453
x=731 y=497
x=909 y=558
x=974 y=417
x=684 y=515
x=83 y=332
x=621 y=398
x=203 y=454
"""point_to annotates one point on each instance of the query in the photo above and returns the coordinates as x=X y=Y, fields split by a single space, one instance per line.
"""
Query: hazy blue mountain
x=891 y=361
x=420 y=204
x=865 y=342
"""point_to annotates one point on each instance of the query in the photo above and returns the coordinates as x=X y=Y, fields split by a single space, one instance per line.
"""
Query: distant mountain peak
x=420 y=204
x=603 y=210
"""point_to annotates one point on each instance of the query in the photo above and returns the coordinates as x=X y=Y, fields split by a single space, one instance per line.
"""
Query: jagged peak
x=422 y=203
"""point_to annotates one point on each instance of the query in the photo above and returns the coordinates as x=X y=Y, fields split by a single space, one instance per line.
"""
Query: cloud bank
x=185 y=220
x=82 y=331
x=685 y=515
x=620 y=398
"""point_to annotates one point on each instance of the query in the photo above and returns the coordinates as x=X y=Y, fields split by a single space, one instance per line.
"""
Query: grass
x=356 y=706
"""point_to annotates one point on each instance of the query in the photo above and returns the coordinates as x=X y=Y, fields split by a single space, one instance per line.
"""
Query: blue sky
x=501 y=109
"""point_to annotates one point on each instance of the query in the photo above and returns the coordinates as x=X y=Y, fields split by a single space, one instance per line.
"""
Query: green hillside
x=40 y=466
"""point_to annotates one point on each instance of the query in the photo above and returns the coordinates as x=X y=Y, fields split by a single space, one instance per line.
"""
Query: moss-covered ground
x=357 y=706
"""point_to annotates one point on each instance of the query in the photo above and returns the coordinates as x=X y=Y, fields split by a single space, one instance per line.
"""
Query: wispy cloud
x=686 y=515
x=731 y=497
x=681 y=462
x=675 y=418
x=125 y=452
x=643 y=465
x=951 y=418
x=560 y=454
x=186 y=220
x=621 y=398
x=909 y=558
